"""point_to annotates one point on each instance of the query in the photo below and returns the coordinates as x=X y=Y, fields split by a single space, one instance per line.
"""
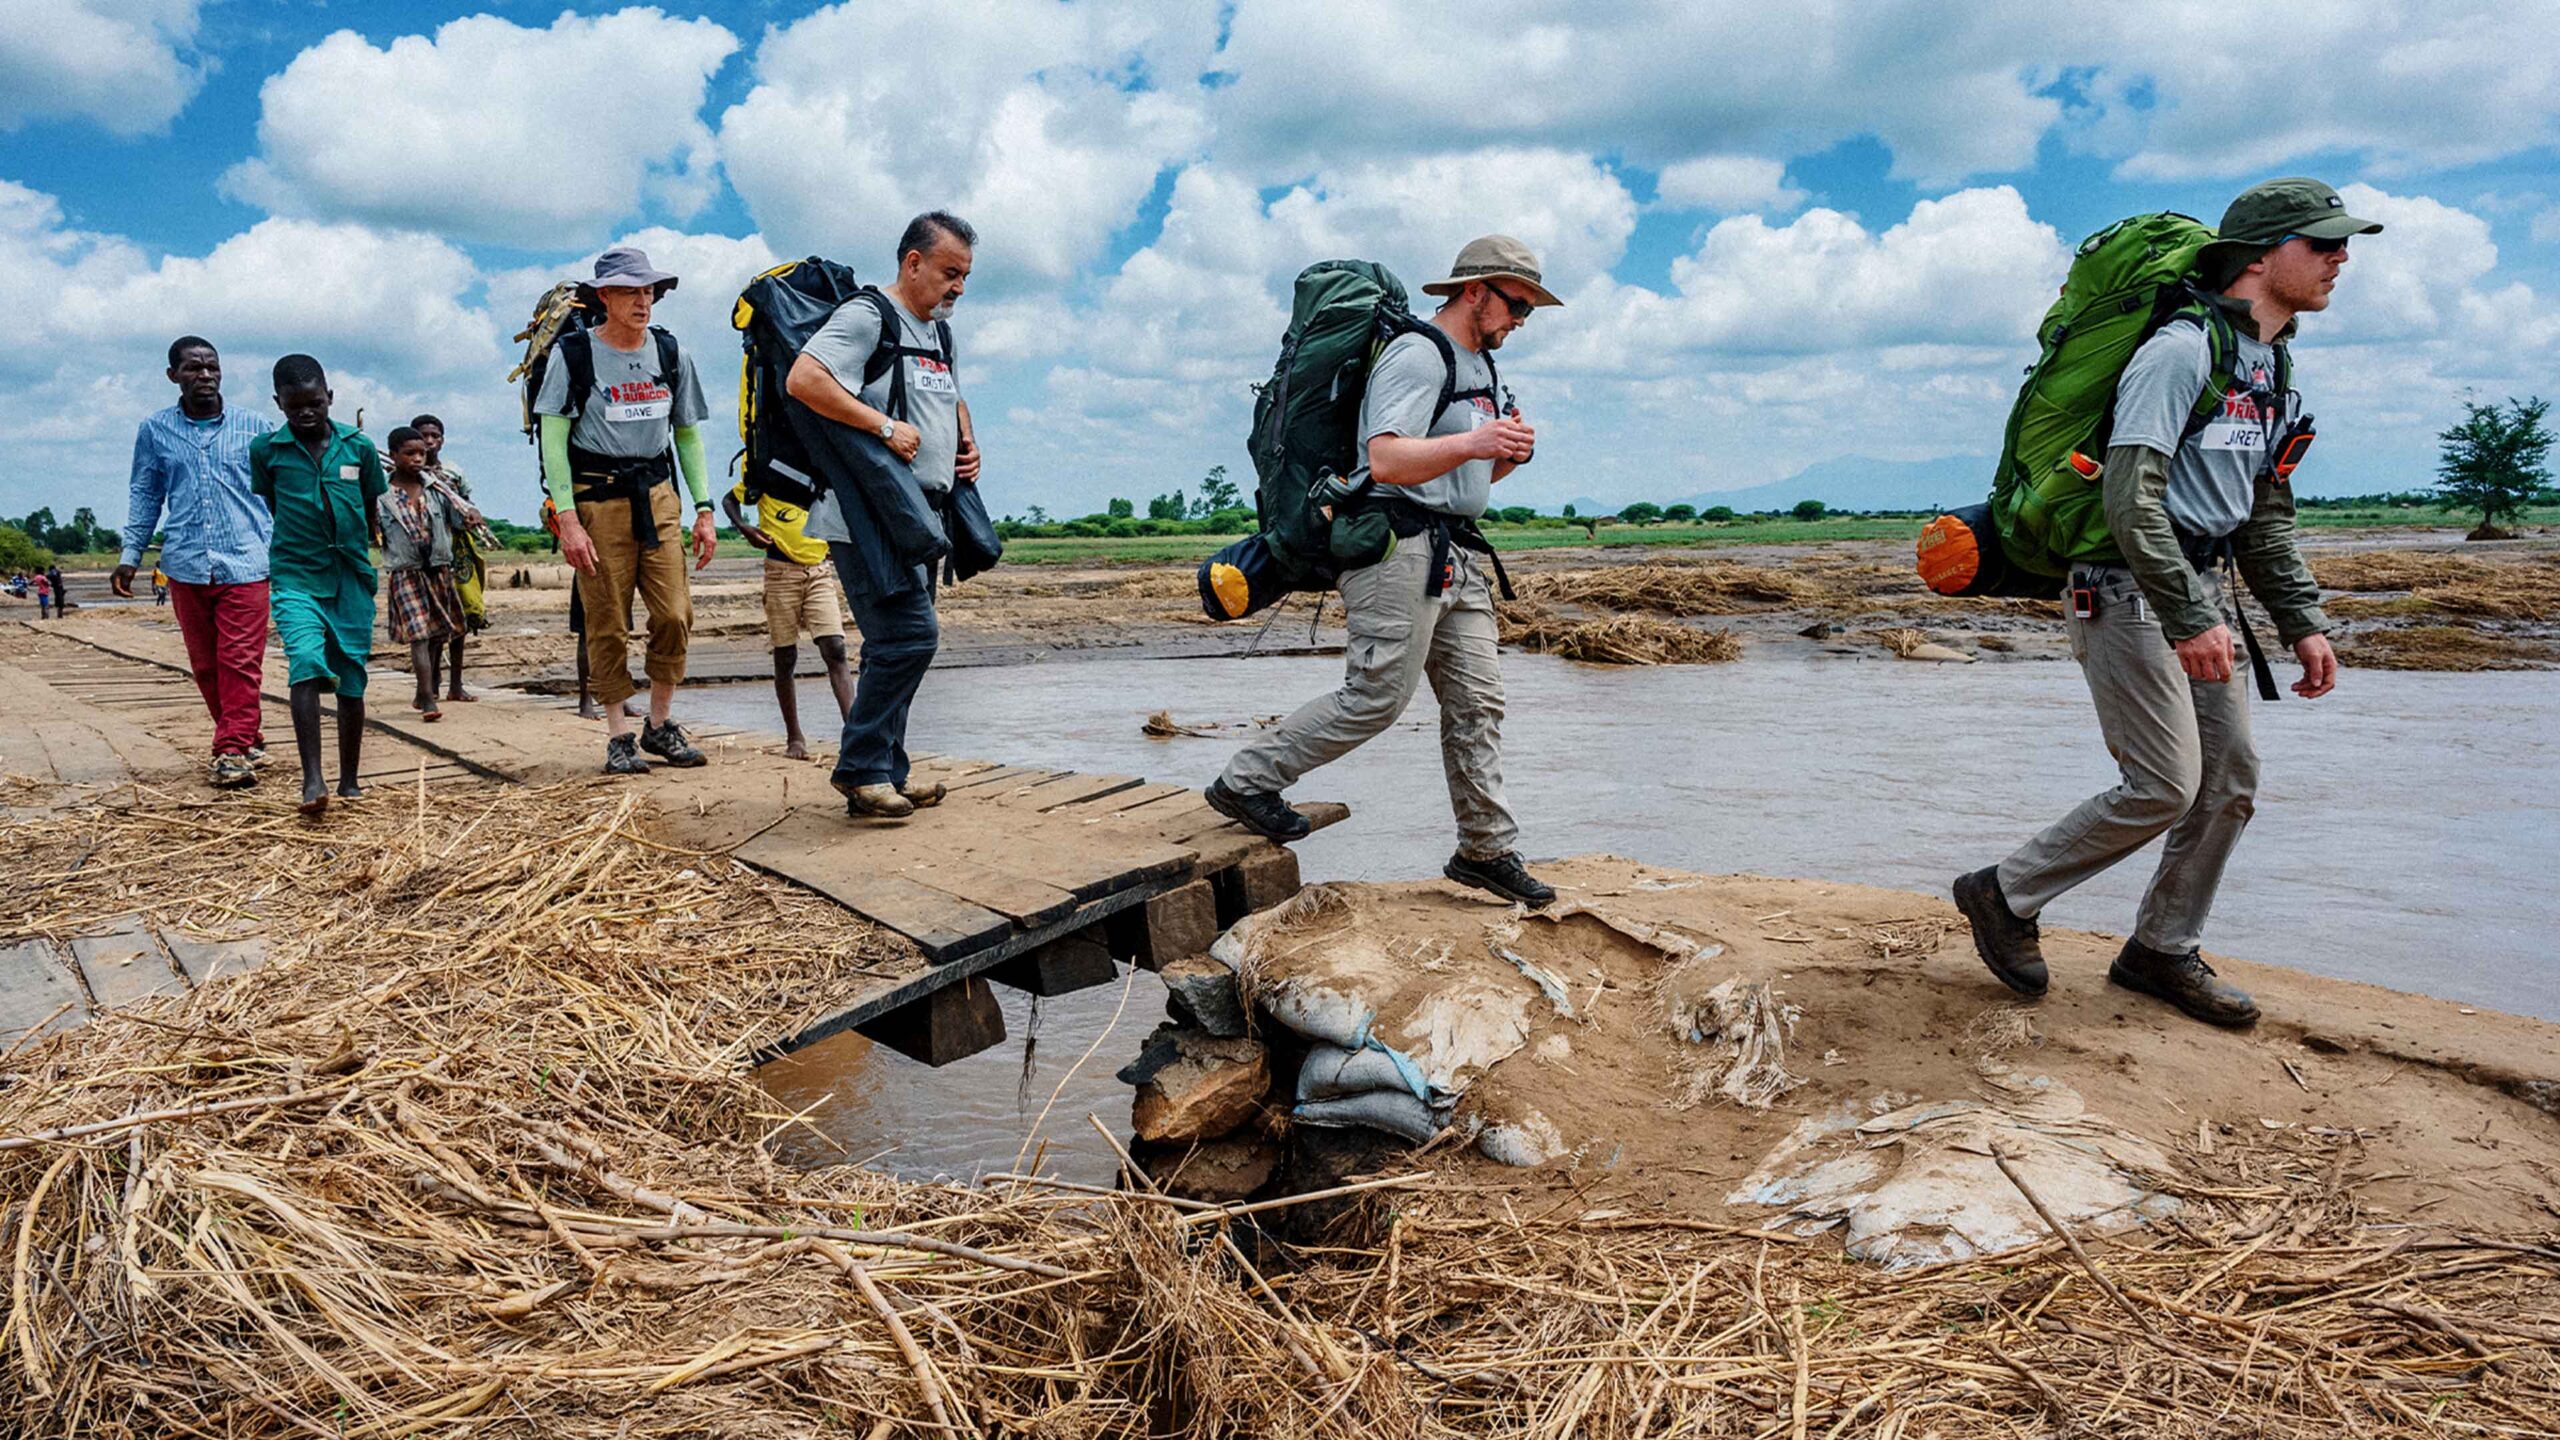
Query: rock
x=1818 y=630
x=1931 y=650
x=1208 y=1086
x=1217 y=1171
x=1201 y=991
x=2000 y=643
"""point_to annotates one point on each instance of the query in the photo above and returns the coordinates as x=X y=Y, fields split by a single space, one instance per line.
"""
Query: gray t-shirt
x=2213 y=476
x=1401 y=393
x=844 y=345
x=630 y=414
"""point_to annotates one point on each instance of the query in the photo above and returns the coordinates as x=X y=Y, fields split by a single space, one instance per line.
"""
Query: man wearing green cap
x=2187 y=485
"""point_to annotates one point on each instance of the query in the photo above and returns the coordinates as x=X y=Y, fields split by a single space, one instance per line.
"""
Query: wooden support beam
x=1181 y=921
x=1265 y=876
x=1075 y=962
x=950 y=1024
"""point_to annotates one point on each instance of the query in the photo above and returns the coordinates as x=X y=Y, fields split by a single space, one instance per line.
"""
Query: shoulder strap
x=667 y=357
x=576 y=350
x=884 y=353
x=950 y=357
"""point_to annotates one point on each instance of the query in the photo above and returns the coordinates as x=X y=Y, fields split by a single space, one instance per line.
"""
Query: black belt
x=1447 y=532
x=594 y=479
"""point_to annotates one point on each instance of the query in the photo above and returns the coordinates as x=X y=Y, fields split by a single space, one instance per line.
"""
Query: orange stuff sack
x=1959 y=554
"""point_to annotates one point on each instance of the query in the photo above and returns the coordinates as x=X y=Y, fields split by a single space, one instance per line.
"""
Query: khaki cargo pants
x=2189 y=768
x=658 y=573
x=1398 y=637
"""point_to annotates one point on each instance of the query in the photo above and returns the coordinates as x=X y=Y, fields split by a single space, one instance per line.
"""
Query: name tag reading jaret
x=2233 y=434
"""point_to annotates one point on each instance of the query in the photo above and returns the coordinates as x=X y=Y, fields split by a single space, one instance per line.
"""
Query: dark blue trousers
x=899 y=636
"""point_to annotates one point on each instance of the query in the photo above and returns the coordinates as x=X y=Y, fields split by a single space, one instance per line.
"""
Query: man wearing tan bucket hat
x=1437 y=430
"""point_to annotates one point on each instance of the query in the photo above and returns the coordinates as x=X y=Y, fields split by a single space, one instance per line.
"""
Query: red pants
x=226 y=630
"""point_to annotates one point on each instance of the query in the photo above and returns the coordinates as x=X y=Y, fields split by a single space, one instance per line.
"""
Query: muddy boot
x=1268 y=816
x=876 y=802
x=669 y=744
x=2009 y=945
x=924 y=797
x=1505 y=876
x=2184 y=981
x=622 y=756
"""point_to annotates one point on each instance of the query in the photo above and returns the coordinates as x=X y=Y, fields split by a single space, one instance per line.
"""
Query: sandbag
x=1330 y=1072
x=1391 y=1111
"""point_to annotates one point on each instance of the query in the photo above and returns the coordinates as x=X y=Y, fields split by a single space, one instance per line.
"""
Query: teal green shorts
x=326 y=640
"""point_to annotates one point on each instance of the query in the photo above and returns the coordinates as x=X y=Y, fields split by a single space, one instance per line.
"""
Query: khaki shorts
x=801 y=599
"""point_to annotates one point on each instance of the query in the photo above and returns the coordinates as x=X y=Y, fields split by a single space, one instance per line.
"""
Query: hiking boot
x=232 y=770
x=622 y=756
x=2012 y=947
x=923 y=797
x=255 y=755
x=667 y=742
x=2184 y=981
x=877 y=802
x=1505 y=876
x=1268 y=816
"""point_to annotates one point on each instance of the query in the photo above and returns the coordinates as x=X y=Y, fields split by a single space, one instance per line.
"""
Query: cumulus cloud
x=1726 y=183
x=491 y=131
x=123 y=65
x=1031 y=119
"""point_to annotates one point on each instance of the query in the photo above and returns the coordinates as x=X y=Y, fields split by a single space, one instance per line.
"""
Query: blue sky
x=1785 y=233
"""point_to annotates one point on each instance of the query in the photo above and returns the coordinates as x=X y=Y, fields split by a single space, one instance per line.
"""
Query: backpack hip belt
x=1446 y=532
x=595 y=479
x=2203 y=553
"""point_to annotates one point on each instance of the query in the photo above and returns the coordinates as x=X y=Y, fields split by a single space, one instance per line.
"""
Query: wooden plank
x=206 y=961
x=1067 y=790
x=1029 y=903
x=38 y=997
x=1117 y=801
x=996 y=782
x=811 y=849
x=125 y=966
x=80 y=755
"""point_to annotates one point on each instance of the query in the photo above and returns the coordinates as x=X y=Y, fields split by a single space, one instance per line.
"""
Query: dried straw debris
x=1616 y=639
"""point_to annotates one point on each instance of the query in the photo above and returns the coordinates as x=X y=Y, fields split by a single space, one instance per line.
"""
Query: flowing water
x=2407 y=834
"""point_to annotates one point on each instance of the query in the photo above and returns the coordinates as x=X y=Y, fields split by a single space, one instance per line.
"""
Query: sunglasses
x=2319 y=246
x=1520 y=306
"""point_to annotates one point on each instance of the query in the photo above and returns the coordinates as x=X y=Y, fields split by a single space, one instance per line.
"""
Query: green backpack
x=2126 y=282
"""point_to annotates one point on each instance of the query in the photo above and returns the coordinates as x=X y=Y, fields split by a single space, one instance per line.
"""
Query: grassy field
x=1182 y=549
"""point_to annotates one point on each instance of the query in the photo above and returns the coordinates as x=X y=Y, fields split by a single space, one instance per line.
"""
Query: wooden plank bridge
x=1039 y=879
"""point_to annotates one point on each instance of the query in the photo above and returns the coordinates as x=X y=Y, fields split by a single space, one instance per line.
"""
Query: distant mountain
x=1854 y=482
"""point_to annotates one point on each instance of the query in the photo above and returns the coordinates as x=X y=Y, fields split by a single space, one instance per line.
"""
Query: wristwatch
x=888 y=429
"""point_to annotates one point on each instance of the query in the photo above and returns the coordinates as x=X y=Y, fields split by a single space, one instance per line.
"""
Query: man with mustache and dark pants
x=883 y=364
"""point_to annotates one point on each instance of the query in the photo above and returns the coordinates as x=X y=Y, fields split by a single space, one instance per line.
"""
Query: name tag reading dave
x=637 y=403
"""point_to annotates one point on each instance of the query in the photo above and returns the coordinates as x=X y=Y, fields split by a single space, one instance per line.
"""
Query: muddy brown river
x=2407 y=834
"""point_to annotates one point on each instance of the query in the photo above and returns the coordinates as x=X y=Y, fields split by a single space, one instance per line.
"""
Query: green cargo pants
x=2188 y=765
x=1398 y=636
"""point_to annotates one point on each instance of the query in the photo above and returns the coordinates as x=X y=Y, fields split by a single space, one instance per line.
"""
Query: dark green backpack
x=2126 y=282
x=1306 y=418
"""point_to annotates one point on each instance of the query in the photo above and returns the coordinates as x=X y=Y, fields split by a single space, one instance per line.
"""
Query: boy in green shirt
x=320 y=480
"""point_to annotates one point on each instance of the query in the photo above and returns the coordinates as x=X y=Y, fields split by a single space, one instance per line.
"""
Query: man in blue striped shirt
x=191 y=463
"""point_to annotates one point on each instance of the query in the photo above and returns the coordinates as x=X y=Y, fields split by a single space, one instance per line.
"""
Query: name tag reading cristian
x=933 y=375
x=638 y=400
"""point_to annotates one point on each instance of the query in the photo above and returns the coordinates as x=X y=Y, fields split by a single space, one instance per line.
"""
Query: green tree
x=2492 y=462
x=39 y=523
x=1168 y=507
x=17 y=552
x=1643 y=512
x=1808 y=510
x=1119 y=509
x=1518 y=514
x=1680 y=513
x=1217 y=493
x=1035 y=515
x=1568 y=513
x=1717 y=513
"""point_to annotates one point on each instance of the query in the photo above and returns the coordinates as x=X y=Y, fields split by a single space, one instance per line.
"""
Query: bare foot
x=315 y=798
x=350 y=790
x=587 y=710
x=458 y=697
x=432 y=713
x=796 y=750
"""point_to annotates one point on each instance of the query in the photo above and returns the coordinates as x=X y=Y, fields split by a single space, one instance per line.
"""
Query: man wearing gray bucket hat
x=1436 y=431
x=621 y=412
x=2197 y=477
